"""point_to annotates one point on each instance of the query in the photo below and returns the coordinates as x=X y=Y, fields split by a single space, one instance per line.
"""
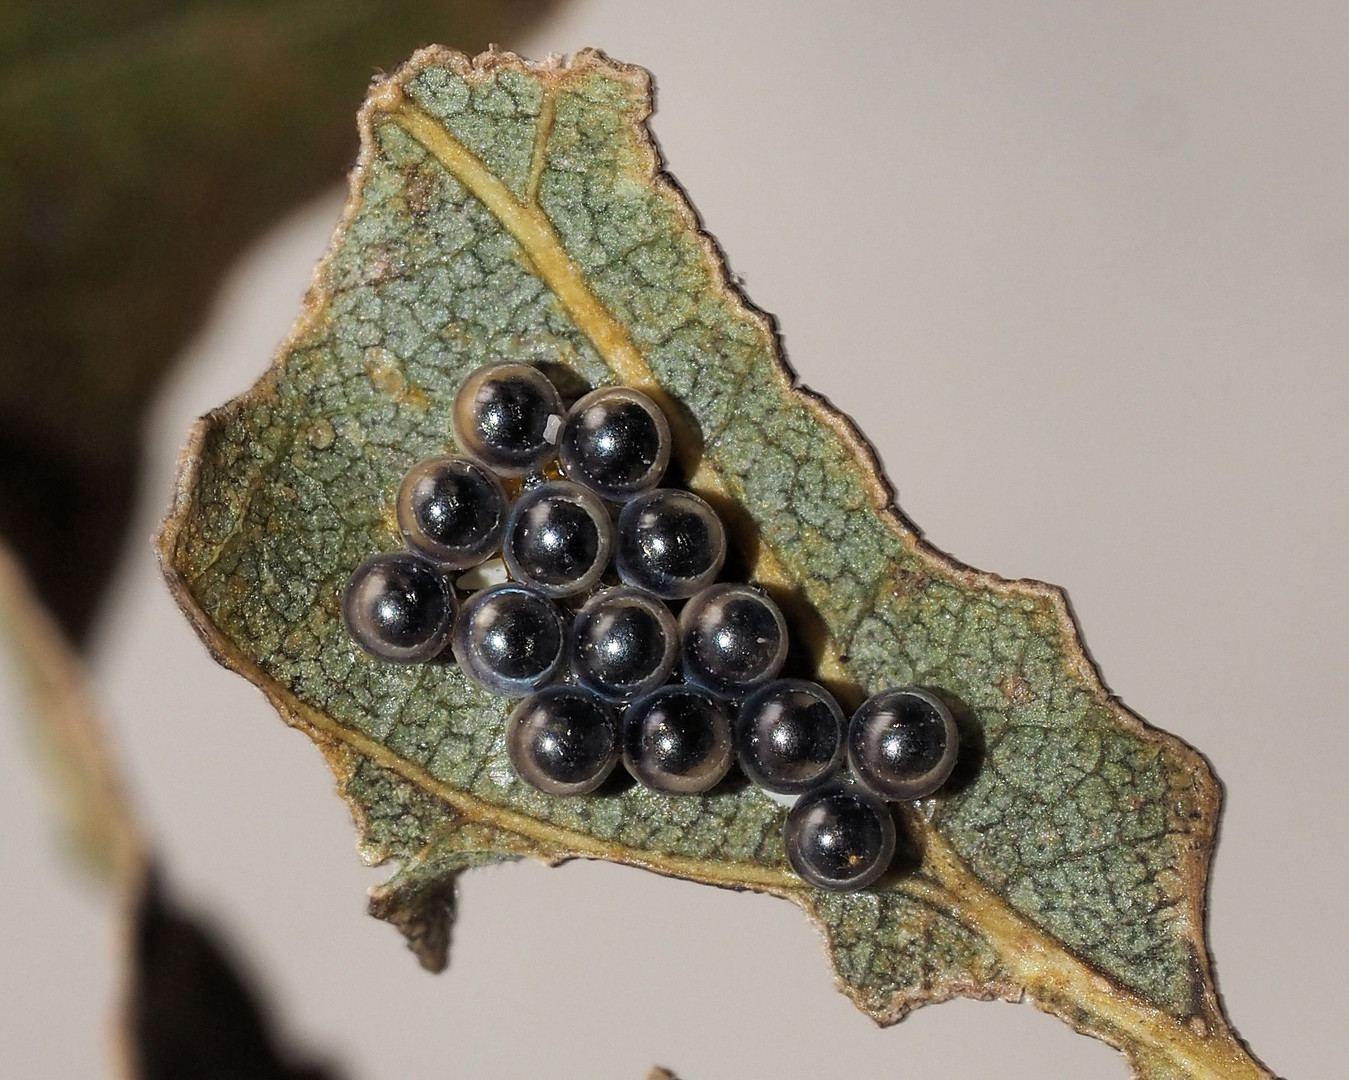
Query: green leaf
x=503 y=209
x=145 y=144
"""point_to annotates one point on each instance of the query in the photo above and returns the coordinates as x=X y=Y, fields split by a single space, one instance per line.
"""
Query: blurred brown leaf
x=66 y=729
x=146 y=142
x=187 y=1009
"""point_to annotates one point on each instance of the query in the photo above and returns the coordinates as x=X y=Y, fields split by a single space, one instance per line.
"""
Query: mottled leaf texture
x=145 y=143
x=503 y=209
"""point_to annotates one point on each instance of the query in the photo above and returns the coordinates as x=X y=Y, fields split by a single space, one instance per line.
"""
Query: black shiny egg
x=559 y=538
x=399 y=607
x=903 y=743
x=734 y=639
x=789 y=736
x=563 y=740
x=677 y=739
x=452 y=510
x=624 y=643
x=670 y=542
x=839 y=837
x=616 y=442
x=509 y=639
x=509 y=417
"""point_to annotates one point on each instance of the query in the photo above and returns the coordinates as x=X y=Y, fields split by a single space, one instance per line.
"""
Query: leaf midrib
x=538 y=239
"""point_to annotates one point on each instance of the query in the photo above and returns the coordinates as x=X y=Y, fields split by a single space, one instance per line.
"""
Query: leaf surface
x=503 y=209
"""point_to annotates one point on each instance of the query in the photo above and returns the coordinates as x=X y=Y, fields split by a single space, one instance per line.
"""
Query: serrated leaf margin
x=1156 y=1043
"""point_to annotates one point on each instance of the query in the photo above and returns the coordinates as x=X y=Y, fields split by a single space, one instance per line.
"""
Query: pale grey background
x=1081 y=272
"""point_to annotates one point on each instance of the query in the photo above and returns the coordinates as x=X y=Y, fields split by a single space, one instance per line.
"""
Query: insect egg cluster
x=584 y=632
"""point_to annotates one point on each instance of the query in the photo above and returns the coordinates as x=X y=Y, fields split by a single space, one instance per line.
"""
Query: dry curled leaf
x=503 y=209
